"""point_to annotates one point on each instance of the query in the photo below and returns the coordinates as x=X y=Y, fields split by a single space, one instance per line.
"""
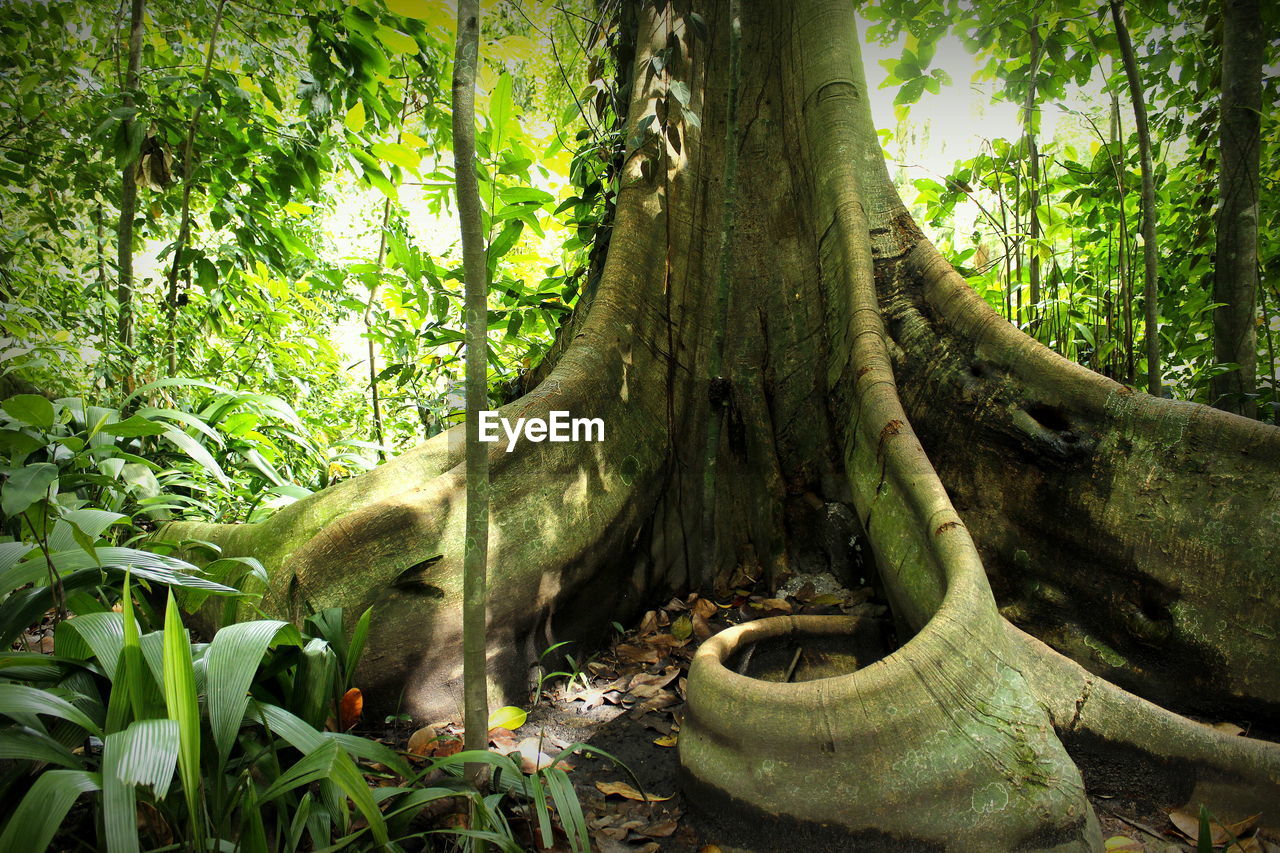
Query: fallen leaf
x=667 y=640
x=509 y=717
x=710 y=848
x=827 y=599
x=1246 y=845
x=704 y=607
x=659 y=679
x=1229 y=728
x=350 y=709
x=667 y=740
x=658 y=830
x=504 y=740
x=649 y=624
x=1189 y=825
x=446 y=747
x=664 y=699
x=776 y=604
x=682 y=628
x=637 y=654
x=1122 y=844
x=622 y=789
x=531 y=757
x=420 y=741
x=644 y=691
x=701 y=629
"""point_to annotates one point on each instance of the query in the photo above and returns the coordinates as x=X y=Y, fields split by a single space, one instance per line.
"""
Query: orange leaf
x=351 y=708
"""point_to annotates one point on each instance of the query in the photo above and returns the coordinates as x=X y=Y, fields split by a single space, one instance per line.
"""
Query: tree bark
x=1150 y=254
x=988 y=476
x=475 y=271
x=1235 y=282
x=128 y=206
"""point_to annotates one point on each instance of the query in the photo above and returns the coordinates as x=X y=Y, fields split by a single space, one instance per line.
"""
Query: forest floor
x=628 y=701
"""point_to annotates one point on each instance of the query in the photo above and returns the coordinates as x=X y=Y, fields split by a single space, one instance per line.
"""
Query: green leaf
x=186 y=418
x=523 y=195
x=231 y=661
x=30 y=409
x=356 y=646
x=393 y=152
x=136 y=425
x=90 y=522
x=93 y=635
x=143 y=754
x=19 y=699
x=180 y=700
x=27 y=485
x=422 y=10
x=42 y=810
x=331 y=763
x=569 y=809
x=504 y=241
x=509 y=717
x=355 y=118
x=197 y=452
x=396 y=41
x=910 y=91
x=500 y=109
x=26 y=744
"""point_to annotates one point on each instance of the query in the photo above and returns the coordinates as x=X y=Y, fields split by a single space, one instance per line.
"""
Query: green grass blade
x=298 y=823
x=232 y=659
x=539 y=797
x=355 y=647
x=569 y=809
x=180 y=700
x=41 y=812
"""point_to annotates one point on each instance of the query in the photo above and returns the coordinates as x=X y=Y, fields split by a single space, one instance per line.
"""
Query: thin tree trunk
x=184 y=227
x=1236 y=274
x=128 y=207
x=1033 y=180
x=374 y=399
x=1122 y=250
x=476 y=551
x=1150 y=291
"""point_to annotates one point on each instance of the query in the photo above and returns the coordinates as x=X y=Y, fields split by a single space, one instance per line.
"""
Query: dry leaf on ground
x=622 y=789
x=1189 y=825
x=420 y=741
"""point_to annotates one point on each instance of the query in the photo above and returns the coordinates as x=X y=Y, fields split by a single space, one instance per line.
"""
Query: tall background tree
x=1235 y=282
x=1048 y=537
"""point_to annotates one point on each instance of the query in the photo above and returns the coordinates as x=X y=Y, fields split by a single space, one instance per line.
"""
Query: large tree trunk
x=1137 y=535
x=1235 y=282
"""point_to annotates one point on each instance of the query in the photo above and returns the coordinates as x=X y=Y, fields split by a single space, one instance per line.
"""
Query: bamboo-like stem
x=475 y=270
x=1150 y=256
